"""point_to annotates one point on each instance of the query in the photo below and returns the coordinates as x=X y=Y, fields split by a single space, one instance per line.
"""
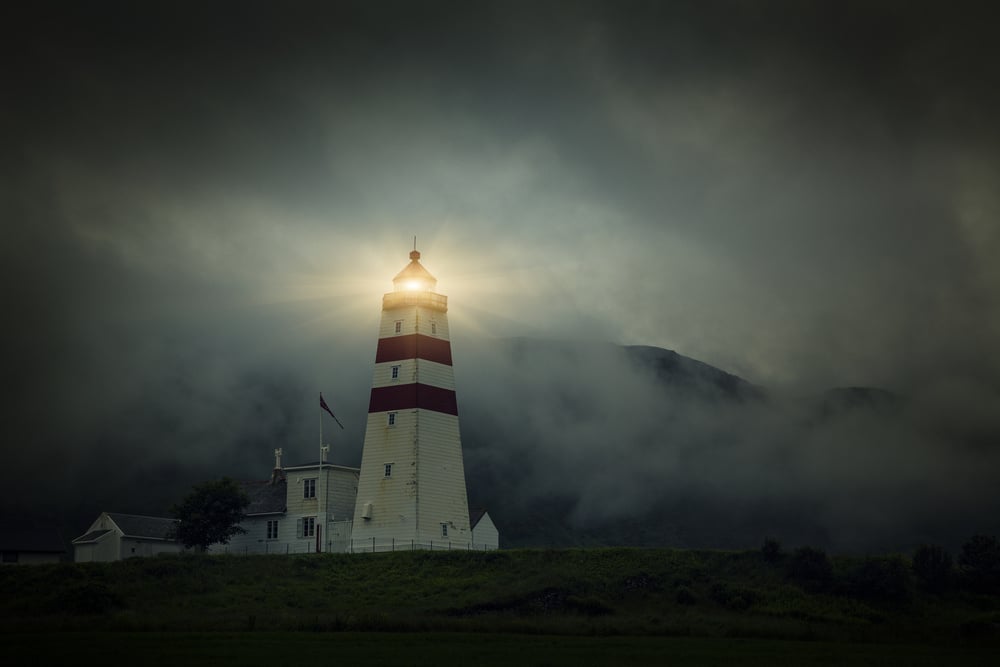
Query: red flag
x=326 y=407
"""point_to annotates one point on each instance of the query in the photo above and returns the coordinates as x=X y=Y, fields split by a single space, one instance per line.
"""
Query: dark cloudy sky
x=202 y=204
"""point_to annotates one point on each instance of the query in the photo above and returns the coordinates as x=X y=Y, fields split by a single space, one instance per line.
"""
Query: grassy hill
x=572 y=592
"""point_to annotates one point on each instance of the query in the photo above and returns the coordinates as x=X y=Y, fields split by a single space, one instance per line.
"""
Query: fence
x=373 y=545
x=354 y=546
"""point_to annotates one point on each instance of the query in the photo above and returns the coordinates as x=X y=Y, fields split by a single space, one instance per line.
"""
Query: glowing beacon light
x=414 y=286
x=414 y=278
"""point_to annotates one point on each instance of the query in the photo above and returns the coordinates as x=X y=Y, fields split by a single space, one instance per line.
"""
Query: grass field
x=481 y=650
x=537 y=607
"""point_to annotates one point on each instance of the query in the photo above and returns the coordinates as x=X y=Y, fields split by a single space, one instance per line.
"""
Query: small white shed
x=116 y=536
x=485 y=535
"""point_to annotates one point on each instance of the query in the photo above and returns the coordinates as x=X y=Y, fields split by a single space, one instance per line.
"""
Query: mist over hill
x=590 y=443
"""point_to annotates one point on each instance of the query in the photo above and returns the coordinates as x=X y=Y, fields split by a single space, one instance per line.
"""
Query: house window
x=309 y=488
x=399 y=326
x=307 y=526
x=444 y=530
x=395 y=372
x=434 y=327
x=392 y=419
x=388 y=470
x=272 y=530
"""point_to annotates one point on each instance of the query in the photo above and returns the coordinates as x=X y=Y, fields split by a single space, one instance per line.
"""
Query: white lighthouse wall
x=442 y=491
x=415 y=319
x=392 y=509
x=414 y=370
x=398 y=504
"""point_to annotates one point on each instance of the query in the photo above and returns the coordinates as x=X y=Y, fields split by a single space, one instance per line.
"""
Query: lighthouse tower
x=411 y=490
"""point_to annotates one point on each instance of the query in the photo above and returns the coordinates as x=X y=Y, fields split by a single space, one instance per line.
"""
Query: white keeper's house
x=410 y=491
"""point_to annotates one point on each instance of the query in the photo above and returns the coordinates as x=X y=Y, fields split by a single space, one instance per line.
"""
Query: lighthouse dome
x=414 y=277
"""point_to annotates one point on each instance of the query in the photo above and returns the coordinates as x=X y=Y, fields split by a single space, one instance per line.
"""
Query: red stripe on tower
x=410 y=396
x=413 y=346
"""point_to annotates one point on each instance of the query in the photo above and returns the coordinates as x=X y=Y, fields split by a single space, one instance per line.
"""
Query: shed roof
x=151 y=527
x=92 y=536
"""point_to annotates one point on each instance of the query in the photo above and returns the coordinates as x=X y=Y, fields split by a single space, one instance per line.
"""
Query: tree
x=932 y=565
x=211 y=513
x=811 y=569
x=771 y=550
x=881 y=579
x=979 y=563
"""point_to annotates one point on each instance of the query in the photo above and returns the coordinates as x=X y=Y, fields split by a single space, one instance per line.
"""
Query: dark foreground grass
x=482 y=650
x=657 y=593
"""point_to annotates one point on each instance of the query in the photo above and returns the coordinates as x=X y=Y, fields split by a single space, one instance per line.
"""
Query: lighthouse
x=411 y=489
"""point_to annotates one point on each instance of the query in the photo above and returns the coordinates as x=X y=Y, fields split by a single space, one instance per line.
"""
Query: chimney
x=278 y=473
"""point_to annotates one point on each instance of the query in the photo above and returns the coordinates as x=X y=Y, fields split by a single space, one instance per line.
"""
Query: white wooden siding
x=415 y=319
x=427 y=486
x=106 y=549
x=414 y=370
x=338 y=487
x=393 y=499
x=441 y=492
x=108 y=546
x=485 y=535
x=136 y=547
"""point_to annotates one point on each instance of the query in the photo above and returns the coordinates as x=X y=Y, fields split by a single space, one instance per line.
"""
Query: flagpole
x=322 y=449
x=319 y=480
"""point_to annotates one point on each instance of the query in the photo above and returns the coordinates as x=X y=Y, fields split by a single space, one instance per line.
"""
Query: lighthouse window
x=392 y=419
x=444 y=530
x=399 y=326
x=388 y=470
x=309 y=488
x=395 y=372
x=434 y=327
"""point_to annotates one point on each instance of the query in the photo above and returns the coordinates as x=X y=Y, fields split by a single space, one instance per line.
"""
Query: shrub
x=685 y=596
x=91 y=597
x=771 y=550
x=811 y=569
x=589 y=605
x=737 y=598
x=979 y=563
x=885 y=579
x=932 y=565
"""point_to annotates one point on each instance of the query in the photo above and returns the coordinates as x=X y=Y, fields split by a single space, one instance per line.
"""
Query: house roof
x=265 y=497
x=151 y=527
x=326 y=465
x=475 y=515
x=38 y=539
x=92 y=536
